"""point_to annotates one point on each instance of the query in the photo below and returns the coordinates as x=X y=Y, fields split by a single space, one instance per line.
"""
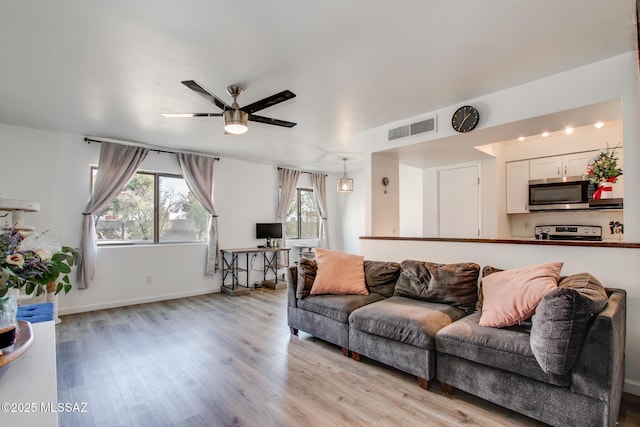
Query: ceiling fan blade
x=269 y=101
x=271 y=121
x=191 y=114
x=191 y=84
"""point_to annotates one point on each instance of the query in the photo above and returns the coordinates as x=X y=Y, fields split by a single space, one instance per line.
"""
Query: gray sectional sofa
x=422 y=318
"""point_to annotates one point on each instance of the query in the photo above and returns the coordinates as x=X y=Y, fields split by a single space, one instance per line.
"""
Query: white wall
x=385 y=211
x=613 y=78
x=54 y=169
x=429 y=202
x=411 y=189
x=349 y=213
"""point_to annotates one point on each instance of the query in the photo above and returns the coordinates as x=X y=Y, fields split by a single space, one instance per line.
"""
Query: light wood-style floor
x=217 y=360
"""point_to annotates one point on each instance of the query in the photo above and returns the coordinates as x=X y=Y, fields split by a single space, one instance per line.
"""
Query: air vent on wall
x=417 y=128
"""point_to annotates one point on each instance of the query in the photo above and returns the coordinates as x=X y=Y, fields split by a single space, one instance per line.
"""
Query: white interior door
x=459 y=202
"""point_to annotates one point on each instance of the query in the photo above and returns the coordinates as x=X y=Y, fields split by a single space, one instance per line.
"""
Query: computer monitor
x=271 y=230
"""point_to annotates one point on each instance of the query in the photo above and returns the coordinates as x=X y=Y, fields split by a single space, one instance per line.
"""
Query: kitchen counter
x=516 y=241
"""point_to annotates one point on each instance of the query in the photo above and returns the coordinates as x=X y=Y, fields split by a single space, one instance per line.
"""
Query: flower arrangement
x=604 y=167
x=25 y=266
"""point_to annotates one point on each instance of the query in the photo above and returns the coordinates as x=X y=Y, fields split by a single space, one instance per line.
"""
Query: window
x=153 y=208
x=301 y=220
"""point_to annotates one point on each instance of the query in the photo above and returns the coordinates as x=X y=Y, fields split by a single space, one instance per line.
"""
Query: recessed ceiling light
x=521 y=138
x=545 y=134
x=599 y=125
x=568 y=130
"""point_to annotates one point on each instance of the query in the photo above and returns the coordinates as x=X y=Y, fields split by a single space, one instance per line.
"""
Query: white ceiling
x=109 y=68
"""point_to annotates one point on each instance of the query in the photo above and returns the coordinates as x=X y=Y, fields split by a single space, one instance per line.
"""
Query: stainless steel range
x=569 y=232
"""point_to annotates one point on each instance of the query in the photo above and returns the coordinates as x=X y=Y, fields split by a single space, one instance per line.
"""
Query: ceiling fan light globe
x=235 y=128
x=235 y=122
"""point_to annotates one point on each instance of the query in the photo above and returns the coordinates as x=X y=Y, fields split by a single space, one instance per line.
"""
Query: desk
x=31 y=379
x=231 y=268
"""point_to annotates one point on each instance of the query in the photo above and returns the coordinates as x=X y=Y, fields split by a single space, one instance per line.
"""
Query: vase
x=606 y=190
x=8 y=313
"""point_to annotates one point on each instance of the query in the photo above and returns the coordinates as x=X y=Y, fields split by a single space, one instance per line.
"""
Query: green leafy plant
x=32 y=270
x=604 y=167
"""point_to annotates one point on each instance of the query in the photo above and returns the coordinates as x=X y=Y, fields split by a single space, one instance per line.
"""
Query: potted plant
x=603 y=171
x=24 y=266
x=32 y=269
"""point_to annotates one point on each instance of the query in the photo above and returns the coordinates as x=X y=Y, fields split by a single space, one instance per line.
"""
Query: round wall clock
x=465 y=119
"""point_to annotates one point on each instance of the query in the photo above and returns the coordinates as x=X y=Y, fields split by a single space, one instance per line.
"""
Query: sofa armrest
x=599 y=370
x=292 y=286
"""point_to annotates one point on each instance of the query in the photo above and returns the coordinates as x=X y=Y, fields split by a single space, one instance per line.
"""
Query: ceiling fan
x=235 y=118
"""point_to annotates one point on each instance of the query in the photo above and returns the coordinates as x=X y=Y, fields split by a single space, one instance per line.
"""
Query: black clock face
x=465 y=119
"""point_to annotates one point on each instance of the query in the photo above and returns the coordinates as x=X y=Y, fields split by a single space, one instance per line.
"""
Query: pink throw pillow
x=512 y=296
x=339 y=273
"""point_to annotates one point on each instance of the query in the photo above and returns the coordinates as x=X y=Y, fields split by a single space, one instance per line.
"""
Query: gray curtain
x=288 y=187
x=319 y=181
x=116 y=166
x=198 y=173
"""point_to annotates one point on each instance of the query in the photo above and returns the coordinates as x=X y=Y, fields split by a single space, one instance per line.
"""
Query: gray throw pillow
x=486 y=270
x=381 y=276
x=562 y=319
x=455 y=284
x=306 y=275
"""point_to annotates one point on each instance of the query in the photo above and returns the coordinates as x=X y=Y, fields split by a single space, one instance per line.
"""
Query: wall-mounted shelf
x=606 y=204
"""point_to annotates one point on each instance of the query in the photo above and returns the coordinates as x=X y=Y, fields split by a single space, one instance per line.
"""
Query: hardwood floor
x=217 y=360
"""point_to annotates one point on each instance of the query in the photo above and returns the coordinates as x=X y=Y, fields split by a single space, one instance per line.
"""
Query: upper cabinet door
x=560 y=166
x=518 y=187
x=545 y=167
x=576 y=164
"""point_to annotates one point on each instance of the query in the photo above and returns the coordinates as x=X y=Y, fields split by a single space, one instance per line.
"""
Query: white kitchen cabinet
x=545 y=167
x=517 y=187
x=560 y=166
x=576 y=164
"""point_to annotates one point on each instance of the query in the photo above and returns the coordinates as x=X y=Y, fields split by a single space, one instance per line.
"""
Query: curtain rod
x=280 y=168
x=157 y=150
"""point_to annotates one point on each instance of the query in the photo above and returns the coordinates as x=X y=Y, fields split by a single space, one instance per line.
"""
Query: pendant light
x=345 y=185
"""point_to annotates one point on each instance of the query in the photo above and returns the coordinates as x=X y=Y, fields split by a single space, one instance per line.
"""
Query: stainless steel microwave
x=559 y=193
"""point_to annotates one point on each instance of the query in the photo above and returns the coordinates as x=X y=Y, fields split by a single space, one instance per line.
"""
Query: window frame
x=298 y=199
x=156 y=211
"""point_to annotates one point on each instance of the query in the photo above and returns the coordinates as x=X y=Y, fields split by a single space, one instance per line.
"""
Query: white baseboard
x=632 y=387
x=135 y=301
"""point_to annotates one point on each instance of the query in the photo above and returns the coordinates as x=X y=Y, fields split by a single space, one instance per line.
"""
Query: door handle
x=558 y=171
x=565 y=171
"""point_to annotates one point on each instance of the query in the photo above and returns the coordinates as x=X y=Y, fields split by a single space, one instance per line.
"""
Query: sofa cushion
x=339 y=273
x=486 y=270
x=455 y=284
x=512 y=296
x=307 y=270
x=561 y=320
x=336 y=307
x=405 y=320
x=507 y=348
x=381 y=276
